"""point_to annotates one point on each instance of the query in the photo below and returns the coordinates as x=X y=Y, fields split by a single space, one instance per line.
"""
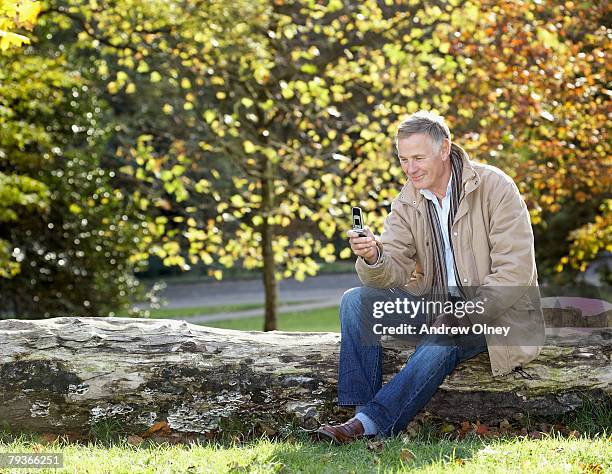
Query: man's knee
x=351 y=296
x=350 y=306
x=440 y=352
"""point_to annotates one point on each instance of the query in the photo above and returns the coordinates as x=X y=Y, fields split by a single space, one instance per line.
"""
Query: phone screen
x=357 y=219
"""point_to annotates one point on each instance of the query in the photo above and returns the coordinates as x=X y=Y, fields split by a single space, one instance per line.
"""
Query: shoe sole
x=322 y=435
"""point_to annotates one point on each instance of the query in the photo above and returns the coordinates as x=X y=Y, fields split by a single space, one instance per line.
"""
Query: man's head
x=423 y=147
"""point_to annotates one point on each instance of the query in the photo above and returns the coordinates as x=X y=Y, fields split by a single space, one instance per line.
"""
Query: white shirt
x=443 y=211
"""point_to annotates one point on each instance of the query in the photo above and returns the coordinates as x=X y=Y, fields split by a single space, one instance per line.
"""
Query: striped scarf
x=440 y=279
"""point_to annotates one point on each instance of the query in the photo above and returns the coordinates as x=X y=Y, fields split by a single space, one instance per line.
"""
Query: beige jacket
x=493 y=243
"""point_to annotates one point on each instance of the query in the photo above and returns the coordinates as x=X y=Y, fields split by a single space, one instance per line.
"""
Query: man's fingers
x=353 y=234
x=362 y=246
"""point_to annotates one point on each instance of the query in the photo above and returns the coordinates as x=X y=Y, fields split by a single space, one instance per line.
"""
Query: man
x=459 y=229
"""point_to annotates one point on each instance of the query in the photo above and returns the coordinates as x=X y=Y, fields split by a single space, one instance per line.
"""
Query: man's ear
x=446 y=147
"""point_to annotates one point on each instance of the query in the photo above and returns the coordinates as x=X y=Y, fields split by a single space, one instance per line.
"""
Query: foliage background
x=224 y=134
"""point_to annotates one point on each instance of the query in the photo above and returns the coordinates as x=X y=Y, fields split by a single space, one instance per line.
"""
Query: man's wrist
x=375 y=260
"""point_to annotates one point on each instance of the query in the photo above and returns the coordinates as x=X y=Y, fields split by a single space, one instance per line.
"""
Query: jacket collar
x=470 y=180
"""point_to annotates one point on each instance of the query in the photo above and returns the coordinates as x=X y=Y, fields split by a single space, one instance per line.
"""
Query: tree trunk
x=69 y=374
x=269 y=279
x=269 y=267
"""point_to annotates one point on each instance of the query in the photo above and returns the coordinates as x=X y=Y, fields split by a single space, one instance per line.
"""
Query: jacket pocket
x=524 y=304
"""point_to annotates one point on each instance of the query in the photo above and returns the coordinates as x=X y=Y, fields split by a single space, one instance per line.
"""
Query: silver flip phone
x=358 y=221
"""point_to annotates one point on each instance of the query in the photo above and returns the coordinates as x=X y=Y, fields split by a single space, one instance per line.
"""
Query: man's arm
x=396 y=255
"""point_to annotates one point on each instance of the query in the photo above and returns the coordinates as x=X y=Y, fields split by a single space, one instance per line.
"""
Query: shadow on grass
x=368 y=456
x=292 y=449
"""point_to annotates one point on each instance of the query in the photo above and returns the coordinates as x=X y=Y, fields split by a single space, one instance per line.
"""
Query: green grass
x=317 y=320
x=167 y=313
x=549 y=455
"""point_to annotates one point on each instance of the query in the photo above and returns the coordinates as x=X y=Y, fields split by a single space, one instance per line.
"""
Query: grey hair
x=428 y=123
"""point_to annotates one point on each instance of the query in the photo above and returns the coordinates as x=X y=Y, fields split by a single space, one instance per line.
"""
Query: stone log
x=70 y=374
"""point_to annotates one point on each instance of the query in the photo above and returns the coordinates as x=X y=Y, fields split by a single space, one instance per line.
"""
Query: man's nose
x=410 y=166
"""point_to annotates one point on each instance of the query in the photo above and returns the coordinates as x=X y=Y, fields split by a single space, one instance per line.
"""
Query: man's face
x=424 y=166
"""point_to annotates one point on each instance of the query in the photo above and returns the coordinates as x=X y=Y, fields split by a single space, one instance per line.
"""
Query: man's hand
x=364 y=247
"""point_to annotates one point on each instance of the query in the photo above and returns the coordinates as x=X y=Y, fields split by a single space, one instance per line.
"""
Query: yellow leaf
x=248 y=146
x=237 y=200
x=345 y=253
x=11 y=39
x=28 y=12
x=122 y=77
x=206 y=258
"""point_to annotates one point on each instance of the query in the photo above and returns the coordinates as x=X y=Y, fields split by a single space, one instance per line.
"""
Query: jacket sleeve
x=510 y=239
x=397 y=252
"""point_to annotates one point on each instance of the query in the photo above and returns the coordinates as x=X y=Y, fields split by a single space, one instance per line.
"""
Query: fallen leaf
x=412 y=430
x=573 y=434
x=447 y=428
x=482 y=429
x=591 y=468
x=264 y=428
x=49 y=437
x=465 y=426
x=459 y=461
x=535 y=435
x=135 y=440
x=406 y=455
x=375 y=445
x=504 y=425
x=161 y=426
x=37 y=448
x=545 y=427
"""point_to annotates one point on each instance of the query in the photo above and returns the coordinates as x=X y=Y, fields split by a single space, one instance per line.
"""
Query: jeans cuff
x=380 y=434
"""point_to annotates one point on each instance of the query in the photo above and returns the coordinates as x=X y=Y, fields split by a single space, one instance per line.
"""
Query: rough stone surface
x=70 y=374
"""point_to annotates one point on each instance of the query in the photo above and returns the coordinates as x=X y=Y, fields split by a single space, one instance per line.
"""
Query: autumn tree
x=268 y=121
x=66 y=246
x=16 y=190
x=532 y=88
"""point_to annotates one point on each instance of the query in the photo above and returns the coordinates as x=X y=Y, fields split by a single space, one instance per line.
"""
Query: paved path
x=251 y=313
x=315 y=289
x=323 y=291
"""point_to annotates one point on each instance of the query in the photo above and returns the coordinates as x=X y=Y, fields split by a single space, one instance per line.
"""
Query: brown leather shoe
x=341 y=434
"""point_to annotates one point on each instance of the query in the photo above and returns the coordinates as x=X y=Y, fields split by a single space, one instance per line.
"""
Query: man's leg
x=400 y=399
x=360 y=369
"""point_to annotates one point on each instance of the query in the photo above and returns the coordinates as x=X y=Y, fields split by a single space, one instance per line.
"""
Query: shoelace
x=525 y=375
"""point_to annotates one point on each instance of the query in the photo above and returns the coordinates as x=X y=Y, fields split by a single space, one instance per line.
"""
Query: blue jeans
x=392 y=406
